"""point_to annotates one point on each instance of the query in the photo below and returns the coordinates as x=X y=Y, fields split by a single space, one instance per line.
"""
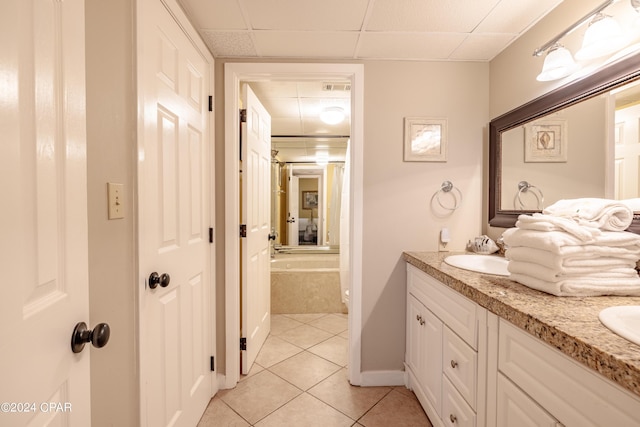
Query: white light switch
x=115 y=195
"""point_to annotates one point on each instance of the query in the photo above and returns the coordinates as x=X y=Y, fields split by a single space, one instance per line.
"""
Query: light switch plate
x=115 y=196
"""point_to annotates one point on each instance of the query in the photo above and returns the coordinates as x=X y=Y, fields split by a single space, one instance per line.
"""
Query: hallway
x=300 y=379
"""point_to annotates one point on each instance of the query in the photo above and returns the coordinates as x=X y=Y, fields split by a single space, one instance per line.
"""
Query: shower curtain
x=344 y=231
x=334 y=205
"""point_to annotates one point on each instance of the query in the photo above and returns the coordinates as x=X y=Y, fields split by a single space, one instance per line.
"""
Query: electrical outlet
x=115 y=197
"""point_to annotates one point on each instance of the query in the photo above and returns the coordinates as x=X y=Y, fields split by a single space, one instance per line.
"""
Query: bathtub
x=306 y=283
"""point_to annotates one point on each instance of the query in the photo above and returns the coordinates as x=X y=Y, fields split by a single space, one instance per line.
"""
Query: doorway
x=243 y=72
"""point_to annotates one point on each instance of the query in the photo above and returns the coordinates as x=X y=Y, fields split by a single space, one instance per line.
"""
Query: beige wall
x=111 y=124
x=398 y=212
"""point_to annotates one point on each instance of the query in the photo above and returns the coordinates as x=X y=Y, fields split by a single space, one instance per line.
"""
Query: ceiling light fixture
x=332 y=115
x=322 y=158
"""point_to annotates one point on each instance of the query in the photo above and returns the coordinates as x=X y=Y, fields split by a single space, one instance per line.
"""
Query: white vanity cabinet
x=538 y=383
x=446 y=352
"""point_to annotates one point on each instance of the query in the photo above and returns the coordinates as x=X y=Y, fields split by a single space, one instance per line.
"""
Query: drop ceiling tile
x=428 y=15
x=306 y=44
x=515 y=17
x=225 y=43
x=308 y=15
x=215 y=14
x=275 y=88
x=286 y=126
x=282 y=107
x=482 y=47
x=408 y=46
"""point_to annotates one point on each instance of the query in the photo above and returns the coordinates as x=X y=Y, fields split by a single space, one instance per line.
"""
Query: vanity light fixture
x=558 y=64
x=604 y=36
x=332 y=115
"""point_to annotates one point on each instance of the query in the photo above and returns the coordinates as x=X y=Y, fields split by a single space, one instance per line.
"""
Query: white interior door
x=627 y=153
x=293 y=207
x=256 y=191
x=174 y=202
x=44 y=220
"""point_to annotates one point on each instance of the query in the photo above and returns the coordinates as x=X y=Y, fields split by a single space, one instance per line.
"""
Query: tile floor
x=300 y=379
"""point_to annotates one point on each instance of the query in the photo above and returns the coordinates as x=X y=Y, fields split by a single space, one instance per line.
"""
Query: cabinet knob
x=454 y=364
x=452 y=418
x=418 y=318
x=421 y=322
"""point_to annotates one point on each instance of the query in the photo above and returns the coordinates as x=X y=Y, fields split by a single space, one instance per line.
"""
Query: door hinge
x=243 y=343
x=210 y=103
x=213 y=363
x=210 y=234
x=243 y=230
x=243 y=115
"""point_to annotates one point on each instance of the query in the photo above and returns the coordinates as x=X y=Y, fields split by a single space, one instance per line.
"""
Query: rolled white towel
x=556 y=275
x=553 y=241
x=587 y=287
x=542 y=222
x=576 y=256
x=605 y=214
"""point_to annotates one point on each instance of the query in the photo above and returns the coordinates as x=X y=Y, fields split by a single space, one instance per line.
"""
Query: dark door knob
x=272 y=236
x=156 y=279
x=98 y=337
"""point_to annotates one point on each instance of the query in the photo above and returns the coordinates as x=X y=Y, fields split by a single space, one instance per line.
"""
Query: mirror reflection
x=306 y=200
x=589 y=149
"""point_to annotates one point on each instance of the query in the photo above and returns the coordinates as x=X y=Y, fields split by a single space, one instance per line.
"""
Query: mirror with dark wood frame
x=603 y=80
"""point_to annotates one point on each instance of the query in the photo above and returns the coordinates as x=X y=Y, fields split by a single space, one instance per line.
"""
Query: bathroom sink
x=489 y=264
x=624 y=320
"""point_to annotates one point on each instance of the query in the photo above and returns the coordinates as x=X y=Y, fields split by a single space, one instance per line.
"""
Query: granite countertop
x=569 y=324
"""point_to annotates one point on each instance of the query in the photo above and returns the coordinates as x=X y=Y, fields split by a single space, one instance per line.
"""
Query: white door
x=293 y=207
x=256 y=191
x=43 y=248
x=627 y=152
x=174 y=195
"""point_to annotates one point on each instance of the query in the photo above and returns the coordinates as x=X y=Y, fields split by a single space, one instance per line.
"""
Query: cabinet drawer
x=569 y=391
x=515 y=408
x=455 y=411
x=455 y=311
x=460 y=365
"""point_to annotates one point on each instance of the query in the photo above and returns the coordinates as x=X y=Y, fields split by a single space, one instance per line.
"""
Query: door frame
x=234 y=73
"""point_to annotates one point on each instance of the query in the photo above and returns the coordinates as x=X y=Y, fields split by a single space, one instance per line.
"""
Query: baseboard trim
x=382 y=378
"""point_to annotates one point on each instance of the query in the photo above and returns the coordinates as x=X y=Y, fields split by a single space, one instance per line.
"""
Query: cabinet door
x=414 y=336
x=424 y=350
x=517 y=409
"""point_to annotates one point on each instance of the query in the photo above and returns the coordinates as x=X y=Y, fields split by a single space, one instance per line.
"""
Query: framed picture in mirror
x=425 y=139
x=309 y=199
x=545 y=141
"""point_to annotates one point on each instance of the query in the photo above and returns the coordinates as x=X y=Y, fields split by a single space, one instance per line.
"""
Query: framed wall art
x=546 y=141
x=425 y=139
x=309 y=199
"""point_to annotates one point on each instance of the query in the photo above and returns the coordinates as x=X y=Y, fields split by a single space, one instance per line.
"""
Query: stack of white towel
x=576 y=247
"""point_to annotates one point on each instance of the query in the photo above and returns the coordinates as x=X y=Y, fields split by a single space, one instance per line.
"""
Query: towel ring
x=523 y=187
x=447 y=187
